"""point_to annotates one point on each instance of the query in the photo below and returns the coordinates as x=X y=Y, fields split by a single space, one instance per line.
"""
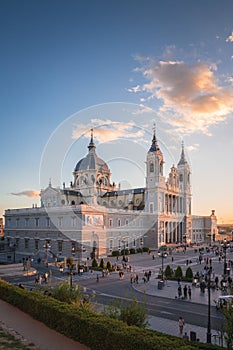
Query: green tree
x=189 y=273
x=168 y=271
x=228 y=325
x=102 y=264
x=179 y=272
x=94 y=263
x=72 y=295
x=109 y=265
x=70 y=262
x=133 y=313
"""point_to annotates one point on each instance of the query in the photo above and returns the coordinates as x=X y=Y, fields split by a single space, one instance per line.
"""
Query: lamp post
x=208 y=334
x=70 y=264
x=225 y=244
x=47 y=246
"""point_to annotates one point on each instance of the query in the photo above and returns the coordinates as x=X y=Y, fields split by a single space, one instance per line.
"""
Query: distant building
x=93 y=217
x=1 y=228
x=204 y=228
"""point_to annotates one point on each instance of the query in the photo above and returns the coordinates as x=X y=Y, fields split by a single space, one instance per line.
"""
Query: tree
x=102 y=264
x=228 y=326
x=179 y=272
x=189 y=273
x=133 y=313
x=72 y=295
x=70 y=262
x=168 y=271
x=109 y=266
x=94 y=263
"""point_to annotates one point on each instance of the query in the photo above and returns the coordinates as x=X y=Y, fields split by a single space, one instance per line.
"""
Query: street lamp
x=47 y=246
x=225 y=244
x=208 y=334
x=70 y=264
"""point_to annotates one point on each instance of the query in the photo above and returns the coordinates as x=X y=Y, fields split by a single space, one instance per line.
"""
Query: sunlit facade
x=95 y=216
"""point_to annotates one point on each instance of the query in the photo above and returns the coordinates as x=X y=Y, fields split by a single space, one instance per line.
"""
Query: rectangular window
x=26 y=243
x=119 y=222
x=17 y=222
x=48 y=222
x=126 y=222
x=110 y=244
x=60 y=221
x=60 y=246
x=17 y=242
x=151 y=208
x=110 y=222
x=36 y=244
x=73 y=221
x=26 y=222
x=37 y=222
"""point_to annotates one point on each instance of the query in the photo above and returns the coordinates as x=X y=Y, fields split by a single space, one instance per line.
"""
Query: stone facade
x=94 y=216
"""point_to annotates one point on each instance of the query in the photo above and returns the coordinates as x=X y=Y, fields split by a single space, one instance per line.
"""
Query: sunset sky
x=119 y=67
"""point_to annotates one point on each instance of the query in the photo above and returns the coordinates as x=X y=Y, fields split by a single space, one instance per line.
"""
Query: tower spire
x=182 y=157
x=154 y=147
x=91 y=144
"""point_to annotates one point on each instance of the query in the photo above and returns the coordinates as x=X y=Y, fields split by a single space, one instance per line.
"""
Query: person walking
x=185 y=290
x=179 y=292
x=181 y=325
x=189 y=292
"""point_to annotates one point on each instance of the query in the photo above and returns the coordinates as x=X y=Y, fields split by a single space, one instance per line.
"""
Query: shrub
x=94 y=263
x=145 y=249
x=132 y=312
x=116 y=253
x=102 y=264
x=109 y=265
x=132 y=251
x=125 y=251
x=179 y=272
x=189 y=273
x=168 y=271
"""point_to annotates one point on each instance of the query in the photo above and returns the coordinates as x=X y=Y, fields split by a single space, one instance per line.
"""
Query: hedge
x=95 y=331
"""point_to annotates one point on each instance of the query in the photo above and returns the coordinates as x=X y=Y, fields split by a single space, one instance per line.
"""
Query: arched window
x=151 y=167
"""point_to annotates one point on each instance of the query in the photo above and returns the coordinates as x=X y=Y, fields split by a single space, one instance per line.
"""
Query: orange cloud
x=230 y=37
x=29 y=193
x=191 y=97
x=108 y=130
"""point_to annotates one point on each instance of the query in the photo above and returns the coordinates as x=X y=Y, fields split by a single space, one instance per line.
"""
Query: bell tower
x=155 y=180
x=184 y=173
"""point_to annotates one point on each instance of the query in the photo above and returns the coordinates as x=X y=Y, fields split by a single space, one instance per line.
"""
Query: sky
x=122 y=68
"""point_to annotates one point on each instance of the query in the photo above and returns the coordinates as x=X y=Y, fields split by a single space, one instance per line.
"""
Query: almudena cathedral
x=94 y=215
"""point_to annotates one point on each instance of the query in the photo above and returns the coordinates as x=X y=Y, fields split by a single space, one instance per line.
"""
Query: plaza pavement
x=47 y=338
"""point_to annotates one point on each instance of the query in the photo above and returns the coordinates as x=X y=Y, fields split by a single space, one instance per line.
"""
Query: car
x=224 y=301
x=162 y=251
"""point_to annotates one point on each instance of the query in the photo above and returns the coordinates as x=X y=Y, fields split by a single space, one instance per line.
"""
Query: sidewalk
x=34 y=331
x=170 y=291
x=46 y=339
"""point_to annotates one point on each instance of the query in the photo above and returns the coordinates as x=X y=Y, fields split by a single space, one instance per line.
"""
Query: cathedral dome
x=91 y=161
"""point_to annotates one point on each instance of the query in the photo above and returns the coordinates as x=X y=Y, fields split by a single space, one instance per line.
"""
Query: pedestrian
x=190 y=293
x=181 y=325
x=179 y=292
x=97 y=278
x=185 y=289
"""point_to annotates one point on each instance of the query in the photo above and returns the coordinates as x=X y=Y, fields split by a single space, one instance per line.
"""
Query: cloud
x=191 y=97
x=29 y=193
x=108 y=130
x=230 y=37
x=193 y=147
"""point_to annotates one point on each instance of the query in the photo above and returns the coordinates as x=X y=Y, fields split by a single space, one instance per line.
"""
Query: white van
x=224 y=301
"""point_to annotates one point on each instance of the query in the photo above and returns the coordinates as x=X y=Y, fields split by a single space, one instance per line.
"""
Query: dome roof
x=91 y=161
